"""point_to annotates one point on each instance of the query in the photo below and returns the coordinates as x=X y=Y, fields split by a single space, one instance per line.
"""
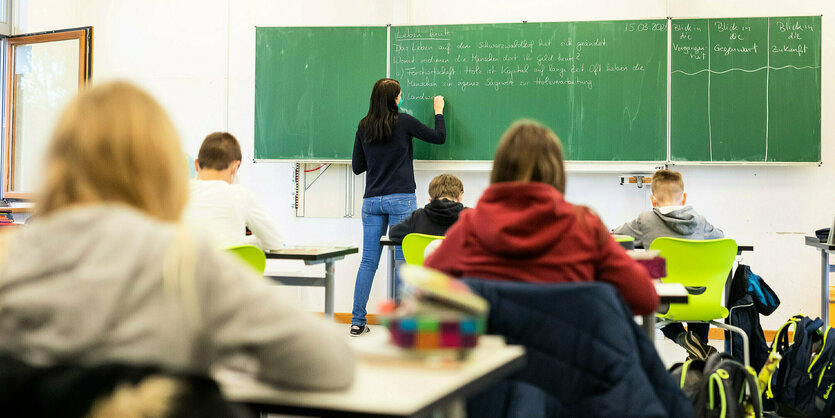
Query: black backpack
x=803 y=384
x=719 y=386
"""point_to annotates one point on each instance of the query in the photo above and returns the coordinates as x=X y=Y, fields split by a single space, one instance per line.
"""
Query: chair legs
x=745 y=349
x=731 y=328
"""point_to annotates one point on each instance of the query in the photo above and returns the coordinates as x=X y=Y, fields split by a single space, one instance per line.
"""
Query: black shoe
x=357 y=330
x=694 y=345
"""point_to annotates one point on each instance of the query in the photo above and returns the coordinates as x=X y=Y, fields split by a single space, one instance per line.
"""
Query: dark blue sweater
x=389 y=164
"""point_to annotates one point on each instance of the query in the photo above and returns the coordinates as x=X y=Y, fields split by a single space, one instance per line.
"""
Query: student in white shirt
x=222 y=208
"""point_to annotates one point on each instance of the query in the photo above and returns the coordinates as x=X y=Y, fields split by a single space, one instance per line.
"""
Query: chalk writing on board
x=524 y=62
x=751 y=48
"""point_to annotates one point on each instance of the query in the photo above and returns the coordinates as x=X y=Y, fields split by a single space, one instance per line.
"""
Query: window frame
x=84 y=35
x=6 y=25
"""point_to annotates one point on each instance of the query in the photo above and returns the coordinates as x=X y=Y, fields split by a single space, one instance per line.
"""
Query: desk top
x=739 y=248
x=384 y=388
x=671 y=292
x=311 y=253
x=815 y=242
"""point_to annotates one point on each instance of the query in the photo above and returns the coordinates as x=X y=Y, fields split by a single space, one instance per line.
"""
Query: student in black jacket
x=445 y=193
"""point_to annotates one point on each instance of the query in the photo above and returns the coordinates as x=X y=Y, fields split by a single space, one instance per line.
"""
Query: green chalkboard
x=601 y=86
x=312 y=87
x=746 y=89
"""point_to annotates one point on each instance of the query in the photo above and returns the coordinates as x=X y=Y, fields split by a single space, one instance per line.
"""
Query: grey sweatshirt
x=673 y=222
x=86 y=285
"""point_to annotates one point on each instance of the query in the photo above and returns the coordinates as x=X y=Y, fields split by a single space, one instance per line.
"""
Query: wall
x=197 y=57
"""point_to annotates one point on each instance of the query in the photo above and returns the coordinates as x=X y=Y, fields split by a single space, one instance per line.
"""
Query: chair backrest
x=553 y=321
x=697 y=263
x=413 y=246
x=250 y=255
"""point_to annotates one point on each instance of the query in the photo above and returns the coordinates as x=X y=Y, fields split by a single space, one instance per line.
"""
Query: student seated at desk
x=670 y=218
x=523 y=229
x=223 y=209
x=108 y=273
x=445 y=193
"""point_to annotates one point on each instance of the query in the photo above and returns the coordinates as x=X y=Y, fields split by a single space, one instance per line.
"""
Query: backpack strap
x=715 y=381
x=731 y=369
x=779 y=345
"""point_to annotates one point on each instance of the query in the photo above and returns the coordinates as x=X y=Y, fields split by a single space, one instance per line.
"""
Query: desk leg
x=648 y=325
x=390 y=285
x=329 y=289
x=825 y=286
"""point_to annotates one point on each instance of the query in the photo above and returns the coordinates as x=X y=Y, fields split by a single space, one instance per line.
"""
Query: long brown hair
x=114 y=143
x=378 y=125
x=529 y=152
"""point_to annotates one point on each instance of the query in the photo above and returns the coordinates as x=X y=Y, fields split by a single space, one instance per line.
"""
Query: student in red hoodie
x=522 y=229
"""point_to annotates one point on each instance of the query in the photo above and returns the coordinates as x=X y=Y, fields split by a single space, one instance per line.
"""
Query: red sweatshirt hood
x=520 y=219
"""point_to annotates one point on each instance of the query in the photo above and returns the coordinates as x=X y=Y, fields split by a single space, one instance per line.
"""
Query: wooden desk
x=310 y=256
x=826 y=268
x=385 y=388
x=668 y=293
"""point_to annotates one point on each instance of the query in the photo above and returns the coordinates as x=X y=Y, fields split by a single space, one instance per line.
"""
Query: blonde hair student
x=523 y=229
x=107 y=273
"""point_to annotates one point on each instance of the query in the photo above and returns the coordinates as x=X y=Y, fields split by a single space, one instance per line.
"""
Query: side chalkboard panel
x=312 y=87
x=601 y=86
x=746 y=89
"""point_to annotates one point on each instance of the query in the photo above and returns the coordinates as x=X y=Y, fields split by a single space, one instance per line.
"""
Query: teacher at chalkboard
x=383 y=148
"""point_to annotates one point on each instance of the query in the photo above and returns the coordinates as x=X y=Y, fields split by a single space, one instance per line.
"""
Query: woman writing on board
x=383 y=148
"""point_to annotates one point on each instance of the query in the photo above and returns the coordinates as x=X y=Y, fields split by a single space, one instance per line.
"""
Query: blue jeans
x=378 y=213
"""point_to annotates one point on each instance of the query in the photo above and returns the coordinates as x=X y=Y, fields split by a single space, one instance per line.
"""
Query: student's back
x=74 y=289
x=671 y=221
x=445 y=193
x=225 y=210
x=107 y=273
x=668 y=217
x=221 y=209
x=522 y=229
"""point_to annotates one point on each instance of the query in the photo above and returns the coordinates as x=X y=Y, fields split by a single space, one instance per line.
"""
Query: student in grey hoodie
x=669 y=217
x=109 y=274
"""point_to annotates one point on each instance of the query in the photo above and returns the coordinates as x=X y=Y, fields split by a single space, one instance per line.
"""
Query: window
x=43 y=72
x=6 y=17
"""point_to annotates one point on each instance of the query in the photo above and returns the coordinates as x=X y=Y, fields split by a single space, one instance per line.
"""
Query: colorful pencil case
x=430 y=332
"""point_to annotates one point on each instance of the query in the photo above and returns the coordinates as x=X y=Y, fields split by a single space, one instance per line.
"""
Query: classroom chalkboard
x=746 y=89
x=312 y=86
x=601 y=86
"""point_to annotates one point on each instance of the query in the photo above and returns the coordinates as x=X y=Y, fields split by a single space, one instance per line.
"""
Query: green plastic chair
x=251 y=256
x=413 y=246
x=701 y=264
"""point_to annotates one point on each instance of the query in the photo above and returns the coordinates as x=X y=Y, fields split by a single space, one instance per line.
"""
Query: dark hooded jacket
x=433 y=219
